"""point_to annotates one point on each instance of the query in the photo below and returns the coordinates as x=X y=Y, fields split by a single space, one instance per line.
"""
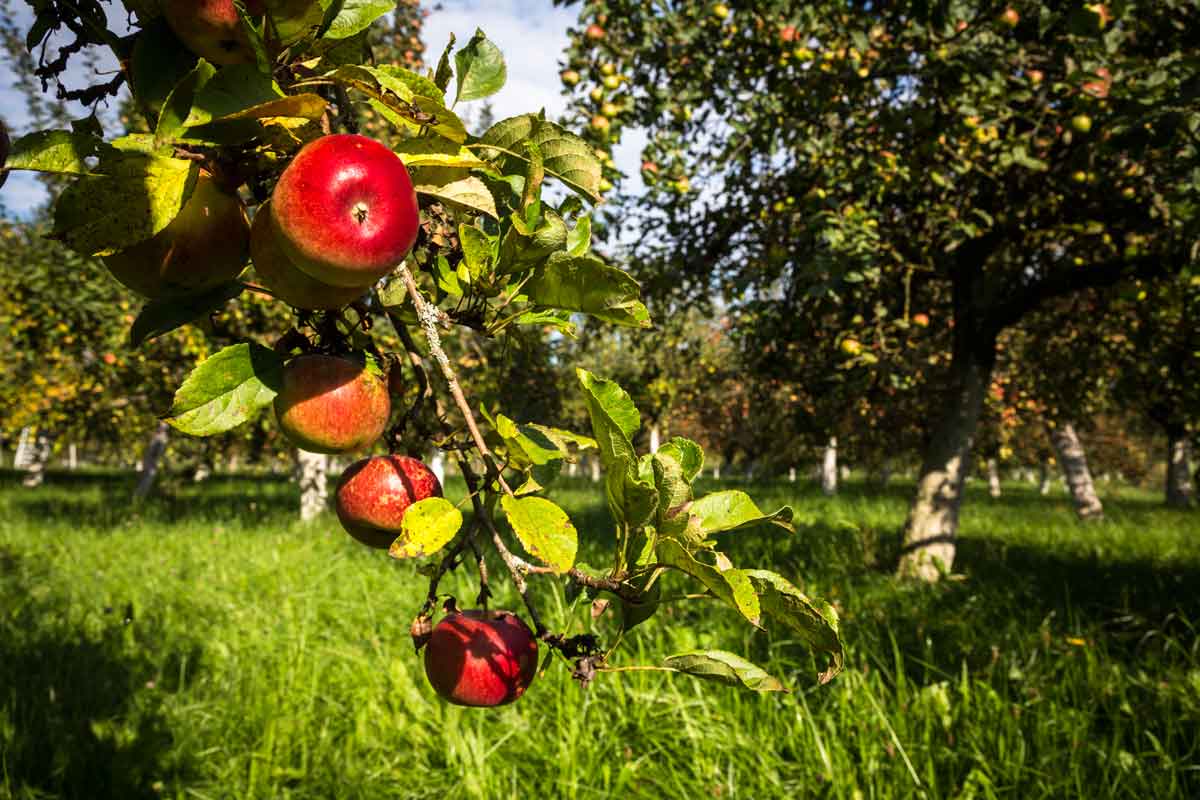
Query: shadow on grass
x=81 y=712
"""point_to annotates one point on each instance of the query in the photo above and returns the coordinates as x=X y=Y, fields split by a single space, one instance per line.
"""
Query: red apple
x=205 y=245
x=373 y=494
x=277 y=273
x=345 y=210
x=788 y=33
x=481 y=658
x=211 y=28
x=330 y=404
x=1010 y=17
x=594 y=32
x=921 y=320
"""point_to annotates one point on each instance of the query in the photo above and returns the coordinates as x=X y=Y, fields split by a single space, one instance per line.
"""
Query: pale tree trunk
x=595 y=465
x=202 y=472
x=932 y=527
x=1073 y=459
x=829 y=468
x=1179 y=469
x=72 y=457
x=437 y=465
x=151 y=458
x=36 y=459
x=655 y=438
x=993 y=476
x=791 y=474
x=24 y=449
x=314 y=483
x=717 y=471
x=1044 y=478
x=573 y=469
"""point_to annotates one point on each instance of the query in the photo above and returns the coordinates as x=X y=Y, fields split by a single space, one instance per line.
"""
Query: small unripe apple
x=597 y=94
x=608 y=68
x=570 y=77
x=204 y=246
x=921 y=320
x=1081 y=123
x=481 y=658
x=330 y=404
x=373 y=494
x=605 y=185
x=277 y=273
x=211 y=28
x=720 y=11
x=609 y=110
x=1079 y=176
x=1036 y=76
x=851 y=347
x=600 y=123
x=612 y=81
x=594 y=32
x=345 y=210
x=1010 y=17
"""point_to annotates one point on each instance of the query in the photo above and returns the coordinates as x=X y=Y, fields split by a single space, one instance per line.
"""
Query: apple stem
x=429 y=320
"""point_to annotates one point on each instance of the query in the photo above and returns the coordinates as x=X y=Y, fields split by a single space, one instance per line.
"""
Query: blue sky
x=531 y=33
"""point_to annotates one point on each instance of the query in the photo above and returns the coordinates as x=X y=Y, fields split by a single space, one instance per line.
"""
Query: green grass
x=205 y=646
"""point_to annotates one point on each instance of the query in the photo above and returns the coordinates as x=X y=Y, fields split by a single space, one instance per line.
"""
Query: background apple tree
x=495 y=258
x=965 y=161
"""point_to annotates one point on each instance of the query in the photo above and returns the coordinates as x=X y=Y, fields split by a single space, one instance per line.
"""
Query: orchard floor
x=204 y=645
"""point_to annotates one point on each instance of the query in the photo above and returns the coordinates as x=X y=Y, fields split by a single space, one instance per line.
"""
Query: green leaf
x=479 y=252
x=818 y=627
x=240 y=91
x=523 y=249
x=227 y=389
x=443 y=73
x=480 y=69
x=730 y=585
x=419 y=85
x=355 y=16
x=62 y=152
x=399 y=102
x=689 y=455
x=435 y=151
x=674 y=492
x=163 y=316
x=587 y=284
x=631 y=499
x=544 y=529
x=526 y=444
x=551 y=317
x=564 y=439
x=172 y=118
x=137 y=198
x=731 y=509
x=428 y=526
x=579 y=240
x=456 y=186
x=724 y=667
x=614 y=417
x=565 y=156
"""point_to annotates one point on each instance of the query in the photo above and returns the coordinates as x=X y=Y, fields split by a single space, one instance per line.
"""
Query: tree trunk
x=1044 y=479
x=929 y=534
x=595 y=464
x=993 y=476
x=36 y=458
x=151 y=459
x=24 y=449
x=655 y=438
x=791 y=474
x=717 y=471
x=1179 y=469
x=1075 y=469
x=72 y=457
x=883 y=474
x=314 y=485
x=437 y=465
x=829 y=468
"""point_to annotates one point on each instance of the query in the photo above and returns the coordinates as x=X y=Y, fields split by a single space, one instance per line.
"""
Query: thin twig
x=429 y=319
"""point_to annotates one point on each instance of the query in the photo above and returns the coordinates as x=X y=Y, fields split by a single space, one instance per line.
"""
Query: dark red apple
x=330 y=404
x=211 y=28
x=205 y=245
x=345 y=210
x=481 y=658
x=373 y=494
x=277 y=273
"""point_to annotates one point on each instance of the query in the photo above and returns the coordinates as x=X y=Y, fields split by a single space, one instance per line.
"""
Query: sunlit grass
x=207 y=646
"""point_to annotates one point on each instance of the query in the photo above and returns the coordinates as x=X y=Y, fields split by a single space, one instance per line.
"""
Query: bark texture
x=1073 y=459
x=314 y=483
x=929 y=535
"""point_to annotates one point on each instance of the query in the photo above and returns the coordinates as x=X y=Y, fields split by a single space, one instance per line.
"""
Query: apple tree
x=996 y=157
x=382 y=252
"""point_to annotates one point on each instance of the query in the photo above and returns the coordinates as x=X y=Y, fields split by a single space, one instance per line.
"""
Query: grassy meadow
x=206 y=645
